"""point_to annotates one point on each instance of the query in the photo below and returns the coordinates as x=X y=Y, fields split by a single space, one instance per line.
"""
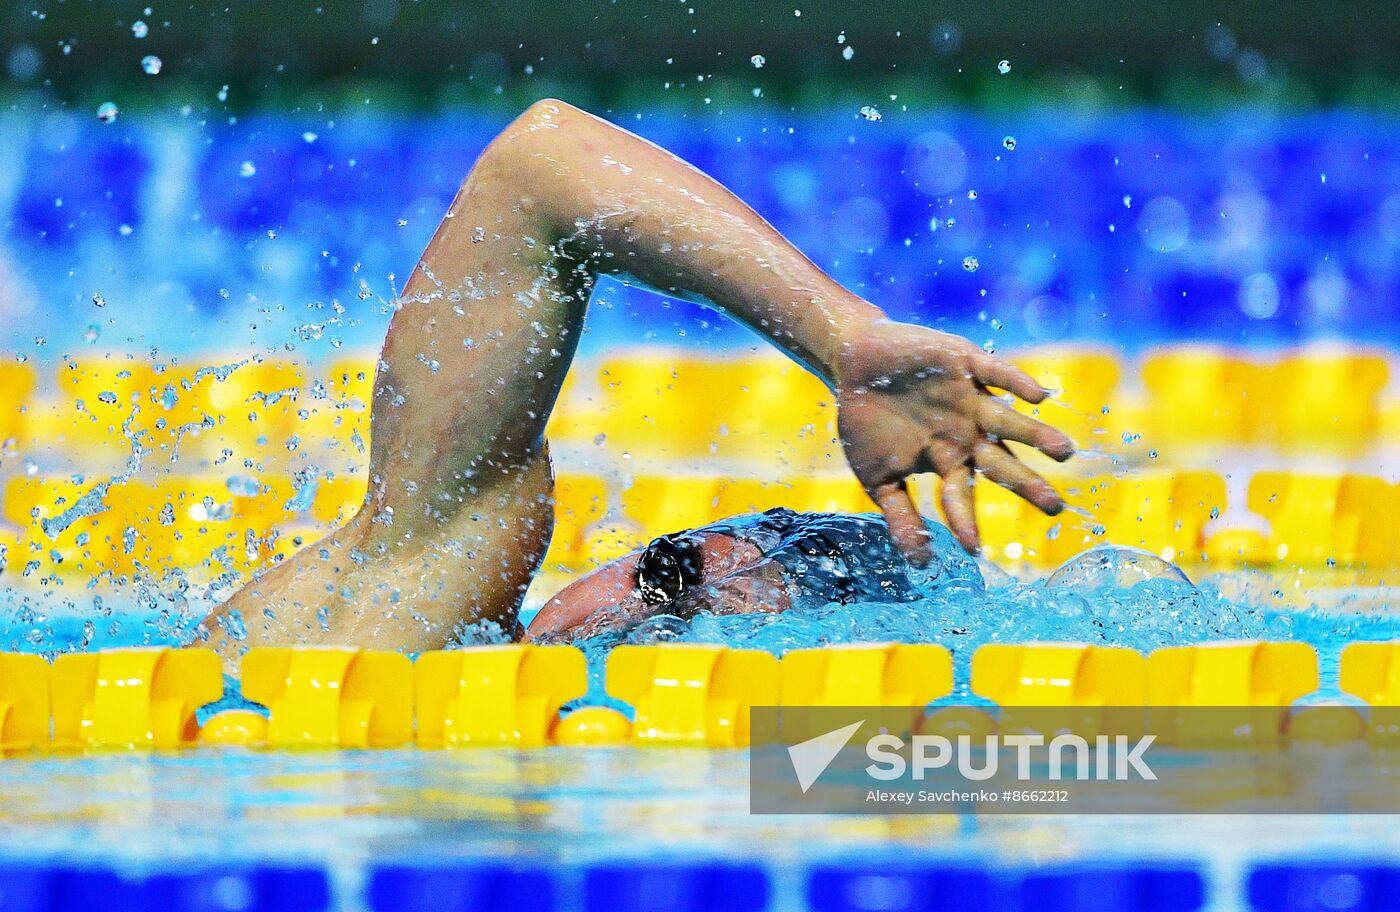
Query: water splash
x=94 y=499
x=1109 y=596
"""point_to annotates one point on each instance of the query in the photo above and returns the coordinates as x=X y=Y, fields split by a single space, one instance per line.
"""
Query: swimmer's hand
x=910 y=400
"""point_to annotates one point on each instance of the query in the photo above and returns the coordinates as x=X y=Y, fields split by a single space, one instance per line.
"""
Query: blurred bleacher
x=1209 y=457
x=1216 y=299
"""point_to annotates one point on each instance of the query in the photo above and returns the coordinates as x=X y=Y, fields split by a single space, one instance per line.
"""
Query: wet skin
x=459 y=509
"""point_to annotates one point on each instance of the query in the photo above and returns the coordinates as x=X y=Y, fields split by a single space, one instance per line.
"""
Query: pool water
x=349 y=809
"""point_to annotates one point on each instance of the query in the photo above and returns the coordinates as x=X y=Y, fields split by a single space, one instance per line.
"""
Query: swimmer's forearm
x=631 y=207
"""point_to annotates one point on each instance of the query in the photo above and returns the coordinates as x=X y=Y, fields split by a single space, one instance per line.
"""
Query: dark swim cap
x=668 y=567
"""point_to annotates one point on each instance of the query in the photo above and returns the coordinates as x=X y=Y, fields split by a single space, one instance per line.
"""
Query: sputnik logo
x=811 y=758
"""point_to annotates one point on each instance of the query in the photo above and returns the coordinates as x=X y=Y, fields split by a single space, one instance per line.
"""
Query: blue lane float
x=899 y=887
x=675 y=887
x=467 y=887
x=37 y=888
x=1324 y=886
x=1148 y=888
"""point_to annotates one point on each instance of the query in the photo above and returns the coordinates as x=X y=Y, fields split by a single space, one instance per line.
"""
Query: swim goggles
x=668 y=567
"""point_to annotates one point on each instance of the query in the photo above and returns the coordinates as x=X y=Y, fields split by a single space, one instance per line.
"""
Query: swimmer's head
x=668 y=567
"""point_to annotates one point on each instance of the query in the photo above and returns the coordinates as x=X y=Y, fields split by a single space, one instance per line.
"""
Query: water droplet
x=247 y=169
x=870 y=112
x=1214 y=512
x=1004 y=67
x=970 y=263
x=972 y=194
x=1151 y=454
x=848 y=53
x=661 y=628
x=107 y=112
x=140 y=29
x=309 y=137
x=758 y=60
x=98 y=300
x=1009 y=142
x=1110 y=567
x=151 y=64
x=92 y=332
x=222 y=94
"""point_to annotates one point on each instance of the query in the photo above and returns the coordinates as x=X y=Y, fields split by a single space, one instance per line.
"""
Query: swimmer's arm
x=910 y=399
x=630 y=207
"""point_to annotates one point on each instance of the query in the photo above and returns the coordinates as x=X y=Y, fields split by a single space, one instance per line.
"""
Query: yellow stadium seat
x=1085 y=380
x=176 y=410
x=255 y=410
x=576 y=417
x=96 y=397
x=327 y=428
x=353 y=378
x=1314 y=519
x=185 y=521
x=1371 y=671
x=579 y=502
x=1329 y=400
x=737 y=496
x=838 y=494
x=1010 y=528
x=1205 y=396
x=661 y=403
x=1079 y=526
x=329 y=502
x=17 y=382
x=666 y=404
x=1369 y=523
x=774 y=412
x=87 y=546
x=662 y=504
x=1161 y=512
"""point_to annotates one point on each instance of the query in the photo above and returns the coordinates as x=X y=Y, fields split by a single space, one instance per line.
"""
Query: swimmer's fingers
x=990 y=370
x=997 y=463
x=1006 y=423
x=906 y=524
x=958 y=508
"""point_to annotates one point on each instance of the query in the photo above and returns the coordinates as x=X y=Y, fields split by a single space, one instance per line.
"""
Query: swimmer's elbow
x=535 y=130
